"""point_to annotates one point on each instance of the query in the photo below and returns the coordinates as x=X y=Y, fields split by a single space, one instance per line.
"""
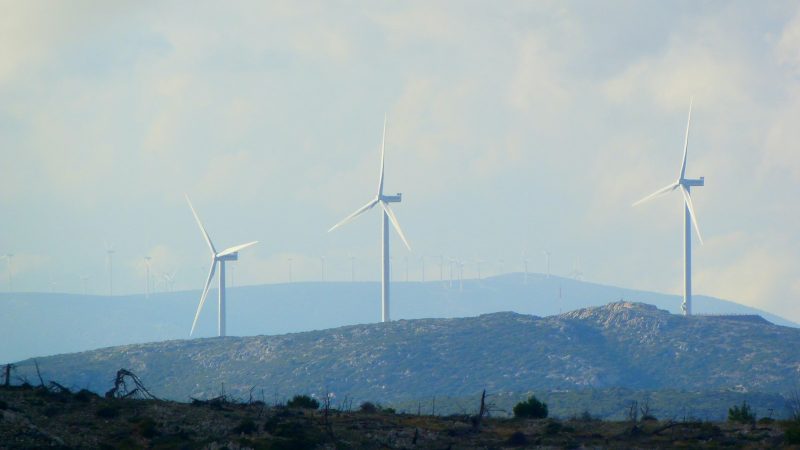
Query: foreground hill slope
x=47 y=324
x=623 y=344
x=41 y=418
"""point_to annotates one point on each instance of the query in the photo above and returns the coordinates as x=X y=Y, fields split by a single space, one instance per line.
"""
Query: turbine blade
x=396 y=224
x=360 y=211
x=202 y=228
x=205 y=293
x=383 y=153
x=658 y=193
x=688 y=198
x=686 y=142
x=236 y=248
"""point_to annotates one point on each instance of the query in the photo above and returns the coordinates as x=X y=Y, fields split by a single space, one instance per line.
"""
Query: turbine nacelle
x=392 y=198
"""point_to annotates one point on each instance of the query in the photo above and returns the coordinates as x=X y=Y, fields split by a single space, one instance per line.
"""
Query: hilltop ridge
x=622 y=344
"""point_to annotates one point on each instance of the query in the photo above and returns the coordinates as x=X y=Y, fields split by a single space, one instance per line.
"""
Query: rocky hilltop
x=622 y=344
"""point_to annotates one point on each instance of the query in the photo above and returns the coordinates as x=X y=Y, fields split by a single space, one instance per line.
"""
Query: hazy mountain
x=622 y=344
x=39 y=324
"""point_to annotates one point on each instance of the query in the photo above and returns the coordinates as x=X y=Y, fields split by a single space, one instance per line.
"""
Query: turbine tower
x=110 y=262
x=547 y=262
x=689 y=217
x=229 y=254
x=147 y=276
x=388 y=215
x=8 y=258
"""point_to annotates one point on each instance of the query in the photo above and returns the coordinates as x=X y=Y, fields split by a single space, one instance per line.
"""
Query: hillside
x=41 y=418
x=622 y=344
x=47 y=324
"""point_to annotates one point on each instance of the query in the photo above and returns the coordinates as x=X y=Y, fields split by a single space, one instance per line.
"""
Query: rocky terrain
x=620 y=345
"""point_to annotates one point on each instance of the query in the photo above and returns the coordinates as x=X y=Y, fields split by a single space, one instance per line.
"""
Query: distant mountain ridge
x=622 y=344
x=47 y=324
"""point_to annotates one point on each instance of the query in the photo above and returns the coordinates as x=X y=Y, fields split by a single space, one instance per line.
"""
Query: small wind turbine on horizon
x=147 y=276
x=689 y=217
x=547 y=262
x=110 y=262
x=229 y=254
x=388 y=215
x=9 y=257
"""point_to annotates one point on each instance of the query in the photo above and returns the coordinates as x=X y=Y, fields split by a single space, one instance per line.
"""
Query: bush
x=368 y=407
x=246 y=426
x=792 y=434
x=303 y=401
x=766 y=420
x=85 y=396
x=147 y=428
x=107 y=412
x=517 y=439
x=552 y=428
x=741 y=414
x=531 y=408
x=3 y=405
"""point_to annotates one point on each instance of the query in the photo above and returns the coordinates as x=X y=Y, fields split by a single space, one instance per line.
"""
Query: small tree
x=531 y=408
x=303 y=401
x=741 y=414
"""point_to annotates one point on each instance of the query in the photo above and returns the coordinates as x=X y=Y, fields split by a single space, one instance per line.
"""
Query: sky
x=513 y=128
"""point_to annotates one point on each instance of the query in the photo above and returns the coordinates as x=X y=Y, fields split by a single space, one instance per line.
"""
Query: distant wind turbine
x=689 y=217
x=85 y=281
x=110 y=262
x=525 y=264
x=388 y=215
x=9 y=257
x=229 y=254
x=147 y=276
x=547 y=262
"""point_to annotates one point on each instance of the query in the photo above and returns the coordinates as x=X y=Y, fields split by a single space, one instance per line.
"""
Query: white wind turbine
x=689 y=218
x=388 y=215
x=229 y=254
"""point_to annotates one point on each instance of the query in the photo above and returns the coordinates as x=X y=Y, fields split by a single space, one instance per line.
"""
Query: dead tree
x=476 y=421
x=121 y=390
x=7 y=382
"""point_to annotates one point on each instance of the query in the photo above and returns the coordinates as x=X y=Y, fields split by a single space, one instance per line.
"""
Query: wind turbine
x=9 y=257
x=547 y=262
x=147 y=276
x=85 y=281
x=388 y=215
x=229 y=254
x=689 y=217
x=110 y=261
x=525 y=264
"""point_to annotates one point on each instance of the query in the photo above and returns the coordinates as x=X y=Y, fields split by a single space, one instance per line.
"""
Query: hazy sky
x=514 y=127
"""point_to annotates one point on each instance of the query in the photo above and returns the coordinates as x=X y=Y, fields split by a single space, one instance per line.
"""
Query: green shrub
x=246 y=426
x=517 y=439
x=3 y=405
x=766 y=420
x=107 y=412
x=303 y=401
x=552 y=428
x=368 y=407
x=84 y=396
x=741 y=414
x=147 y=428
x=792 y=434
x=531 y=408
